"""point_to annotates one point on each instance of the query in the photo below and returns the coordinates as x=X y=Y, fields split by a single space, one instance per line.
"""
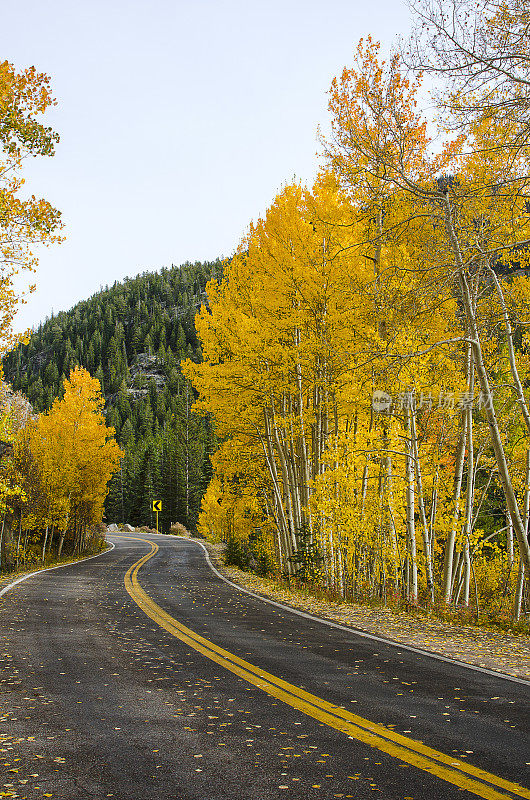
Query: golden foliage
x=383 y=277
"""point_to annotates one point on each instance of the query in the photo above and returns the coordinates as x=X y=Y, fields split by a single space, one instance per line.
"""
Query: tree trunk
x=470 y=488
x=519 y=589
x=511 y=353
x=392 y=532
x=2 y=554
x=421 y=507
x=50 y=541
x=482 y=376
x=44 y=544
x=448 y=570
x=411 y=529
x=19 y=536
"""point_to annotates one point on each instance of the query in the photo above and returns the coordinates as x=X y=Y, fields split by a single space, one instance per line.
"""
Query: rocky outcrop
x=113 y=528
x=143 y=370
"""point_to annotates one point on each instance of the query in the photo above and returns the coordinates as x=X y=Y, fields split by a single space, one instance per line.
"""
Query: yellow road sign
x=157 y=505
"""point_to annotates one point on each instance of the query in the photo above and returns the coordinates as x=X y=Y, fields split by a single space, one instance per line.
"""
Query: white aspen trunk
x=392 y=532
x=470 y=488
x=63 y=533
x=340 y=567
x=432 y=517
x=411 y=529
x=271 y=465
x=46 y=534
x=458 y=577
x=44 y=544
x=421 y=507
x=292 y=479
x=467 y=573
x=509 y=544
x=19 y=537
x=281 y=520
x=381 y=532
x=495 y=434
x=50 y=540
x=270 y=505
x=343 y=562
x=2 y=539
x=518 y=599
x=292 y=483
x=434 y=500
x=304 y=466
x=364 y=488
x=317 y=431
x=286 y=488
x=511 y=352
x=330 y=571
x=448 y=570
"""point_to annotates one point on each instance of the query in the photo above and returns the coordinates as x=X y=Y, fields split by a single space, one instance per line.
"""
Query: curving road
x=141 y=674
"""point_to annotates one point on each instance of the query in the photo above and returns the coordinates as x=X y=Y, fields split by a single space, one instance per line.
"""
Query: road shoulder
x=489 y=649
x=9 y=580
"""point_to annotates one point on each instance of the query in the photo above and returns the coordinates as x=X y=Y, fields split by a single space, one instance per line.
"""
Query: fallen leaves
x=500 y=651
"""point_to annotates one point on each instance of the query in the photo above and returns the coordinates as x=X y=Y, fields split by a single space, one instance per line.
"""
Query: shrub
x=177 y=529
x=237 y=553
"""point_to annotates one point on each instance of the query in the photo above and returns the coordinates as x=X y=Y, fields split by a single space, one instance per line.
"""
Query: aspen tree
x=413 y=174
x=384 y=279
x=24 y=96
x=273 y=337
x=76 y=455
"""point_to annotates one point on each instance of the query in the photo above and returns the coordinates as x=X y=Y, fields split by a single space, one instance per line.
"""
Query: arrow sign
x=157 y=505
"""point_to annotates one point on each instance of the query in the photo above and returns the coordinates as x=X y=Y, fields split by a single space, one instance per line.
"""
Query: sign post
x=157 y=506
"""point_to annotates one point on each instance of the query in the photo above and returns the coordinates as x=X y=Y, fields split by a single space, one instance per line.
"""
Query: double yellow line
x=452 y=770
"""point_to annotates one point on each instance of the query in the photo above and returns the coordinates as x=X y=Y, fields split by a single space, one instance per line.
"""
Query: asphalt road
x=157 y=696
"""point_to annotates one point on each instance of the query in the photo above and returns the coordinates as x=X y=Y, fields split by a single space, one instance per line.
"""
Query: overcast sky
x=179 y=121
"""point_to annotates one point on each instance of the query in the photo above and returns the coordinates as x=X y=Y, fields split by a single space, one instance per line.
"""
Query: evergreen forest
x=132 y=337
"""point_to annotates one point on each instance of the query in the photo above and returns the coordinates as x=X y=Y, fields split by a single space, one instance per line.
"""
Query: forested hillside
x=132 y=337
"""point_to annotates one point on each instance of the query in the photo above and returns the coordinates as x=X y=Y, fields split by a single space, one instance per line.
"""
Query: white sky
x=179 y=122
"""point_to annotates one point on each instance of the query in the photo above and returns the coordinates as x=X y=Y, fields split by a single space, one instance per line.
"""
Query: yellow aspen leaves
x=67 y=457
x=24 y=222
x=350 y=352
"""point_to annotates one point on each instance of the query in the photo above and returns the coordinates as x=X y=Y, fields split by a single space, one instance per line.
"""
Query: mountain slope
x=133 y=336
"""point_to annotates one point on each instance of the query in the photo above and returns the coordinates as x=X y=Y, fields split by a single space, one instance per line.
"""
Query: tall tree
x=24 y=96
x=76 y=455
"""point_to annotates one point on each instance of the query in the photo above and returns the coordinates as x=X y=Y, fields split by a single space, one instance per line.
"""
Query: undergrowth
x=496 y=617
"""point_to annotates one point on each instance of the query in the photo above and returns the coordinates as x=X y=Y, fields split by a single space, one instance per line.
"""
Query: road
x=141 y=674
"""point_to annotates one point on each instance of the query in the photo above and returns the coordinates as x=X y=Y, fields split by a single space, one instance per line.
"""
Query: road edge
x=349 y=629
x=11 y=585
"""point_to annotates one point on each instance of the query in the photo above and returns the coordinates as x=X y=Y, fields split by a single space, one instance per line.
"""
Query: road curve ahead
x=141 y=674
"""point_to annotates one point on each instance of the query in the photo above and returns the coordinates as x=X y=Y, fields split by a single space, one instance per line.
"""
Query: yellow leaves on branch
x=297 y=335
x=74 y=453
x=23 y=222
x=380 y=278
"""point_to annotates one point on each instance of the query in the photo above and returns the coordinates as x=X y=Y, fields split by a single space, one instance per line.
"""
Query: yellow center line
x=452 y=770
